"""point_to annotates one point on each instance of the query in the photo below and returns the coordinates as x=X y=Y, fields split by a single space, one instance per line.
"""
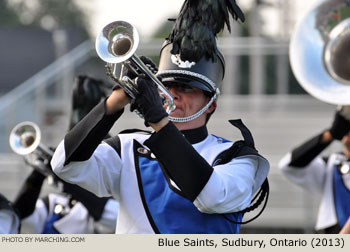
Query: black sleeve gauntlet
x=81 y=141
x=181 y=161
x=308 y=151
x=28 y=195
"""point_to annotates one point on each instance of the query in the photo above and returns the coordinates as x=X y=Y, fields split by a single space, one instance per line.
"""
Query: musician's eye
x=180 y=87
x=185 y=89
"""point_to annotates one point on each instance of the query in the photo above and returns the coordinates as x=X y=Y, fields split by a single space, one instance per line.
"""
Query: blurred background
x=45 y=44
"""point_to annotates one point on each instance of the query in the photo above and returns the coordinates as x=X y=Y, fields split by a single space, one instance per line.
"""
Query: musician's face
x=188 y=101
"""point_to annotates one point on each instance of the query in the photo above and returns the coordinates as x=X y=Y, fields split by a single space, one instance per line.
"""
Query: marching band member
x=9 y=221
x=74 y=210
x=178 y=178
x=328 y=176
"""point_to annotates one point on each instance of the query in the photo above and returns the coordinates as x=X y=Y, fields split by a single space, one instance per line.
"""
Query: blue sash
x=48 y=228
x=169 y=212
x=341 y=198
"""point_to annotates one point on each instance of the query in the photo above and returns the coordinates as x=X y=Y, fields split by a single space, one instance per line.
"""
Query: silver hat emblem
x=182 y=64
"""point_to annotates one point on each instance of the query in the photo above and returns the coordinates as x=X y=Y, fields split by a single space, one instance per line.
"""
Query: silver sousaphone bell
x=320 y=52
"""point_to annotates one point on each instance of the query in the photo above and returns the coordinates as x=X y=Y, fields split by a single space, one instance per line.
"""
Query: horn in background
x=320 y=52
x=25 y=138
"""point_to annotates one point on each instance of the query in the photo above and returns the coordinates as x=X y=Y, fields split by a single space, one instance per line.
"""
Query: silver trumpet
x=116 y=44
x=25 y=140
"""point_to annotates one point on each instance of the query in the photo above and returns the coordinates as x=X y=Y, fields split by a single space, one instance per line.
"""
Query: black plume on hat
x=199 y=21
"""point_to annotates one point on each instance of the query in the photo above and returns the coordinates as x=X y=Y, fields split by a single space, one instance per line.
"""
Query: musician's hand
x=147 y=61
x=148 y=102
x=340 y=126
x=116 y=101
x=132 y=75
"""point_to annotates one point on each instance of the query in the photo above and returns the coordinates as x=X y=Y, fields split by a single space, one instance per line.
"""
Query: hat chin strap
x=194 y=116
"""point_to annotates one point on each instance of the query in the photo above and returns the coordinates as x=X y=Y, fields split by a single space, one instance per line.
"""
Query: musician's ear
x=211 y=108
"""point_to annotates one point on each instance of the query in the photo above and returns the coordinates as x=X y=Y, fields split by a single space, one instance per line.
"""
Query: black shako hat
x=205 y=74
x=190 y=55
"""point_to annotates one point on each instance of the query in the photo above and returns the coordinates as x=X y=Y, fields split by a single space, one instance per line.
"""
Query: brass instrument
x=25 y=140
x=320 y=52
x=116 y=44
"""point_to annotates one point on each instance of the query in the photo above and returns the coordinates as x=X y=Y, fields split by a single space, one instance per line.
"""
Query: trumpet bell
x=117 y=42
x=25 y=138
x=320 y=52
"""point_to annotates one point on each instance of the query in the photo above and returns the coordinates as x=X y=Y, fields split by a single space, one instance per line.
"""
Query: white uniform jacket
x=110 y=169
x=60 y=215
x=305 y=167
x=9 y=220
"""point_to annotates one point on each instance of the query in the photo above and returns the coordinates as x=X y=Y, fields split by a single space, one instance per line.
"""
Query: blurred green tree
x=46 y=14
x=7 y=15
